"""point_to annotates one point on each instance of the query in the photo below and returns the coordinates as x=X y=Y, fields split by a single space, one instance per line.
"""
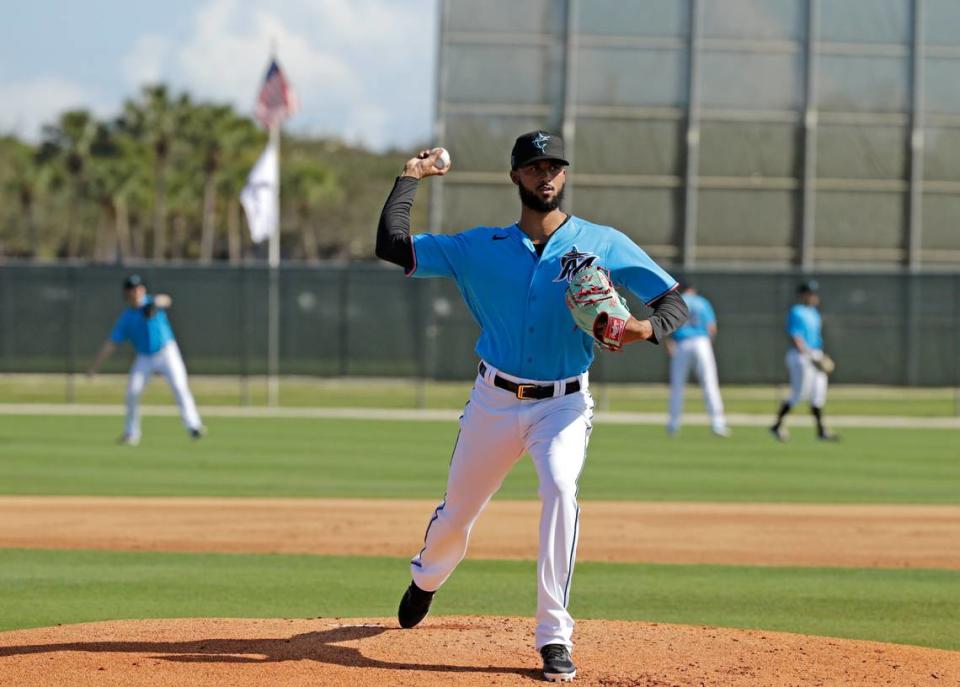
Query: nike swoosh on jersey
x=499 y=237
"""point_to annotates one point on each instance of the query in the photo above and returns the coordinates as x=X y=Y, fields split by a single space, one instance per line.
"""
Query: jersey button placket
x=532 y=304
x=531 y=297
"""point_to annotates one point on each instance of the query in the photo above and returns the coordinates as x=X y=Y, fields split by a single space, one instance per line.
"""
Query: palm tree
x=215 y=134
x=309 y=184
x=25 y=180
x=118 y=174
x=154 y=121
x=66 y=147
x=185 y=198
x=242 y=144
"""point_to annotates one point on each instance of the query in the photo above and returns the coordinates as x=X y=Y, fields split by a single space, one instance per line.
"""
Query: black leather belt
x=529 y=392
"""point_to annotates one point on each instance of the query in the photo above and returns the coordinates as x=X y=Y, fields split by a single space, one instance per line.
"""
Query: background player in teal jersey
x=531 y=393
x=691 y=347
x=145 y=325
x=808 y=381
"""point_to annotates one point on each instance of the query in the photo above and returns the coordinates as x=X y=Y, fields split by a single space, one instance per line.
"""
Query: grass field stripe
x=920 y=607
x=436 y=415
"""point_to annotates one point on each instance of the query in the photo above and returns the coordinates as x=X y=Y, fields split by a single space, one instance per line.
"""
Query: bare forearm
x=105 y=352
x=637 y=330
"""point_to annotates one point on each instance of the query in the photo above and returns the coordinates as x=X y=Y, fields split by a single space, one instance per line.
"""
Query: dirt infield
x=470 y=650
x=747 y=534
x=447 y=651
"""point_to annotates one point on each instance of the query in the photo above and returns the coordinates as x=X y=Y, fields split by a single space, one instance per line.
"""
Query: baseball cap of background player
x=536 y=146
x=808 y=287
x=133 y=281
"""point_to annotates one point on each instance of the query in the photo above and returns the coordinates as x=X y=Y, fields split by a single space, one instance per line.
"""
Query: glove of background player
x=824 y=363
x=597 y=308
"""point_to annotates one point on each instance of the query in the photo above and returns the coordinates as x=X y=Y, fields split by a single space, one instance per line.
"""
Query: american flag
x=276 y=101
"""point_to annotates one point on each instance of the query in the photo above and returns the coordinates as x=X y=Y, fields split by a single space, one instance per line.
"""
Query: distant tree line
x=162 y=180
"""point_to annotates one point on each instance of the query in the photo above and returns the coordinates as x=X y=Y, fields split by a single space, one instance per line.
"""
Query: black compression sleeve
x=668 y=314
x=393 y=232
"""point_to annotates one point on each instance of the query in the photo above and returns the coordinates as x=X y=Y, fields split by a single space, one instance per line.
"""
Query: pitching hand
x=422 y=165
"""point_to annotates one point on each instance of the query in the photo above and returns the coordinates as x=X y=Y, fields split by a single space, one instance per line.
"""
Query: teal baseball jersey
x=517 y=297
x=147 y=334
x=804 y=322
x=701 y=317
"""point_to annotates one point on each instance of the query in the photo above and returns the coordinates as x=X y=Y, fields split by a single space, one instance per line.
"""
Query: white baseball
x=444 y=160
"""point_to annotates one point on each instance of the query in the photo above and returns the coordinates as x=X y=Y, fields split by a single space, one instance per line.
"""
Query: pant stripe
x=576 y=521
x=436 y=514
x=573 y=550
x=443 y=502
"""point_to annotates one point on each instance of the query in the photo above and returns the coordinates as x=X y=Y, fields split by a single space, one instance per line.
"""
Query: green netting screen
x=368 y=320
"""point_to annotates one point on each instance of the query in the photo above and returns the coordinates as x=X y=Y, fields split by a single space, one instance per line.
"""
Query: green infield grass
x=285 y=457
x=381 y=393
x=44 y=588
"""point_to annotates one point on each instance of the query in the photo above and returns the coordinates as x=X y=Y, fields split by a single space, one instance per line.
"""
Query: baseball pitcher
x=145 y=325
x=542 y=292
x=807 y=364
x=691 y=347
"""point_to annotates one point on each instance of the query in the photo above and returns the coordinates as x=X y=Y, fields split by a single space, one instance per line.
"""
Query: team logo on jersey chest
x=572 y=262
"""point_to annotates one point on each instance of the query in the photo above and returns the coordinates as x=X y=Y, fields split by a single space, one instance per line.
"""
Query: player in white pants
x=807 y=381
x=531 y=394
x=691 y=347
x=144 y=323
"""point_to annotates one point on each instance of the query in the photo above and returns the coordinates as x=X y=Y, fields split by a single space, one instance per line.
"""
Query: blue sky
x=363 y=69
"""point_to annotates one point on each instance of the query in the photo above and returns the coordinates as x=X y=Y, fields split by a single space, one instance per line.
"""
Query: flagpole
x=273 y=305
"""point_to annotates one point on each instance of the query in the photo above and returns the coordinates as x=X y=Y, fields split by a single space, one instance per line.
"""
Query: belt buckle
x=522 y=390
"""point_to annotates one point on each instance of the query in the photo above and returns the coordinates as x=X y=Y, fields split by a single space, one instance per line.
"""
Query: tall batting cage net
x=822 y=134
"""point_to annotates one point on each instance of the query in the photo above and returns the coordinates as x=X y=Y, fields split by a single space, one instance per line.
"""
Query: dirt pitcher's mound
x=447 y=651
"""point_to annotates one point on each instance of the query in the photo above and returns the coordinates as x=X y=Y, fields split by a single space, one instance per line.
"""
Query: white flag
x=259 y=196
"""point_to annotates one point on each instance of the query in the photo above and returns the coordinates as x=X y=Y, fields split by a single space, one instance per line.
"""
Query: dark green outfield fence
x=367 y=320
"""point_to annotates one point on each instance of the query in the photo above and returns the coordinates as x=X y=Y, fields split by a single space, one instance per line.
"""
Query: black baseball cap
x=808 y=287
x=536 y=146
x=133 y=281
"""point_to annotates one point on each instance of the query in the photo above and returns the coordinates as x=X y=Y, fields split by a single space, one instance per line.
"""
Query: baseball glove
x=824 y=363
x=597 y=308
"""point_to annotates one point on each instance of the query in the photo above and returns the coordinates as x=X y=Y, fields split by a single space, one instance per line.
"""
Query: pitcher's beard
x=535 y=202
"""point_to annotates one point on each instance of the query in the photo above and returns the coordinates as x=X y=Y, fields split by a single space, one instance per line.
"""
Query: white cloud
x=363 y=69
x=25 y=106
x=146 y=63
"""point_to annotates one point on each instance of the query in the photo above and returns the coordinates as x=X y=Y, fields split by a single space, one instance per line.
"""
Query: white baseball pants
x=169 y=363
x=695 y=352
x=806 y=381
x=496 y=428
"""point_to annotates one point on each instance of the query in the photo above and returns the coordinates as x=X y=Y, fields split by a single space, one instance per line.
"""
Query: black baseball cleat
x=198 y=432
x=779 y=433
x=557 y=663
x=414 y=606
x=828 y=436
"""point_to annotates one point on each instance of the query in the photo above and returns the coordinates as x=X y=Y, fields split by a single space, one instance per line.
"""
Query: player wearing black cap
x=806 y=362
x=537 y=291
x=145 y=325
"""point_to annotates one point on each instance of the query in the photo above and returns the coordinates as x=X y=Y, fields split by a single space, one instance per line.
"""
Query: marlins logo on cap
x=133 y=281
x=536 y=146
